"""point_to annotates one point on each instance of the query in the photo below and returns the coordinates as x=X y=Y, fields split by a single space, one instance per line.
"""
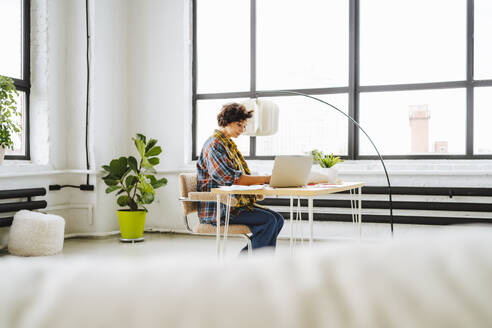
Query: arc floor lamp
x=266 y=93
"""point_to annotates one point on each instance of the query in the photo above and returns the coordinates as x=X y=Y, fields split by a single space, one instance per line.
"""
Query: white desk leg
x=299 y=226
x=217 y=218
x=226 y=226
x=352 y=208
x=291 y=224
x=310 y=209
x=359 y=212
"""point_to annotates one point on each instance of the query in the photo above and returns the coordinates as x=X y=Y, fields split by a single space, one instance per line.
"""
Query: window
x=207 y=111
x=483 y=35
x=483 y=117
x=292 y=44
x=413 y=42
x=415 y=74
x=14 y=63
x=304 y=125
x=419 y=122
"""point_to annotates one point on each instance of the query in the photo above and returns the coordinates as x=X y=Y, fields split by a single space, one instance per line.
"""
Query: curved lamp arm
x=265 y=93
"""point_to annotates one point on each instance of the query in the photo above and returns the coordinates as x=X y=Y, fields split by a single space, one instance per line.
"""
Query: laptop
x=291 y=171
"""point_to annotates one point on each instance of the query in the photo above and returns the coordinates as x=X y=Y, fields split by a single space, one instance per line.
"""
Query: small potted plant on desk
x=135 y=182
x=326 y=162
x=8 y=114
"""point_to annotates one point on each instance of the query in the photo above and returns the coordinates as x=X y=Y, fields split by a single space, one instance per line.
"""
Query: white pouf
x=36 y=234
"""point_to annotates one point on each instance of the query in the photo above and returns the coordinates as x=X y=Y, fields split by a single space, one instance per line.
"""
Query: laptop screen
x=291 y=170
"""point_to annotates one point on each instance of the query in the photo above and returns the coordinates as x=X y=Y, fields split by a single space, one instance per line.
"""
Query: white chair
x=189 y=198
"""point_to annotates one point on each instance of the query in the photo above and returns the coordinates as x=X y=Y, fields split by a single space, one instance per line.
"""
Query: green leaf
x=154 y=160
x=154 y=151
x=144 y=186
x=123 y=200
x=325 y=160
x=110 y=176
x=150 y=170
x=151 y=144
x=160 y=183
x=146 y=164
x=151 y=178
x=130 y=182
x=149 y=189
x=111 y=189
x=132 y=163
x=118 y=167
x=111 y=182
x=140 y=147
x=9 y=125
x=147 y=198
x=141 y=137
x=128 y=170
x=106 y=168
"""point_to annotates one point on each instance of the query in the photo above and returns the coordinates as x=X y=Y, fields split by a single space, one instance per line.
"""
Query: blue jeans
x=265 y=225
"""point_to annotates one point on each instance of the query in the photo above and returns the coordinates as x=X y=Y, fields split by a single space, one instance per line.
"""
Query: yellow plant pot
x=131 y=224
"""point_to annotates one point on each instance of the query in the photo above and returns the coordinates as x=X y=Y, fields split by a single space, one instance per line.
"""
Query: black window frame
x=24 y=84
x=354 y=89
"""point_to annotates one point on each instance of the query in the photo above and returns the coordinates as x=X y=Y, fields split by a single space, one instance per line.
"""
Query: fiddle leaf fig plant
x=134 y=180
x=8 y=112
x=325 y=160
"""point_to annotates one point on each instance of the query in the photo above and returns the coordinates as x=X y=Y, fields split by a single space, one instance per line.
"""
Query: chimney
x=419 y=116
x=441 y=147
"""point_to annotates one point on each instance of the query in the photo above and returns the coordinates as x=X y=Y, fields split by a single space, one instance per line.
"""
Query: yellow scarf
x=239 y=164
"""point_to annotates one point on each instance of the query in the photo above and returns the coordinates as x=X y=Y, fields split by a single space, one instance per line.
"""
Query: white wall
x=110 y=117
x=58 y=107
x=141 y=70
x=159 y=102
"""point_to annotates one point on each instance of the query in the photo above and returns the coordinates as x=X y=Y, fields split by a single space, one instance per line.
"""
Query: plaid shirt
x=215 y=169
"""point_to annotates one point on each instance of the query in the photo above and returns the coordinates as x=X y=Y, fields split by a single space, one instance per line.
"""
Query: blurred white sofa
x=439 y=280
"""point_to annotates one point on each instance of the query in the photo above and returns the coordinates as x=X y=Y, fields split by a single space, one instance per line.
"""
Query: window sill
x=398 y=167
x=17 y=168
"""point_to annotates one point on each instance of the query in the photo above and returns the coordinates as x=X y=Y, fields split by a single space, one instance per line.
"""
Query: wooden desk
x=302 y=192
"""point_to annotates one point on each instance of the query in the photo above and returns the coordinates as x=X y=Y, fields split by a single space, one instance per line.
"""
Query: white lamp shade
x=265 y=118
x=251 y=124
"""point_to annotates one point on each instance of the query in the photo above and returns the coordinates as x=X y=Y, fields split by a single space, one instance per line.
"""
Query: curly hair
x=233 y=112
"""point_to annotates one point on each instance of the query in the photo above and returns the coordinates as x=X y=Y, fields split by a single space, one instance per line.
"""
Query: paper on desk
x=242 y=187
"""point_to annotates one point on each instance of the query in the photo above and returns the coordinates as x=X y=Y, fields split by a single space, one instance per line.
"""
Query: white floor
x=155 y=243
x=180 y=244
